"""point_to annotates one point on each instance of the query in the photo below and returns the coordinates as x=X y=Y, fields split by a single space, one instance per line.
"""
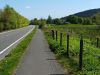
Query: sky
x=55 y=8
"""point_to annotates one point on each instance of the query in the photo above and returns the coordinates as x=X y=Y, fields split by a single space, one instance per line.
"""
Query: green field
x=91 y=54
x=86 y=30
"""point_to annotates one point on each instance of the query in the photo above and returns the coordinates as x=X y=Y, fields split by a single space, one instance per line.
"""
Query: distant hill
x=88 y=13
x=86 y=17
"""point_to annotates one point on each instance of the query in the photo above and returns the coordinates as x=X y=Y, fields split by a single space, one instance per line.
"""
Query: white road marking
x=16 y=41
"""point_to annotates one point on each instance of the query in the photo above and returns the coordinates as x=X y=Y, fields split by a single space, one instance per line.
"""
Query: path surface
x=39 y=60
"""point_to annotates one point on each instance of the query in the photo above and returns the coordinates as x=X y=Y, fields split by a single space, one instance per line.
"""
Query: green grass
x=91 y=60
x=9 y=64
x=92 y=31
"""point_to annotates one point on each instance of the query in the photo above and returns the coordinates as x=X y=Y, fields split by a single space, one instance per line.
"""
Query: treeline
x=71 y=19
x=79 y=20
x=49 y=20
x=41 y=22
x=10 y=19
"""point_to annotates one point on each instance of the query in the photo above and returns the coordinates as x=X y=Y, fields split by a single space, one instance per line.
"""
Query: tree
x=49 y=20
x=96 y=19
x=42 y=23
x=58 y=21
x=35 y=21
x=10 y=19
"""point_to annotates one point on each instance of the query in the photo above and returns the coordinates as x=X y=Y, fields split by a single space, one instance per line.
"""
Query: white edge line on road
x=16 y=41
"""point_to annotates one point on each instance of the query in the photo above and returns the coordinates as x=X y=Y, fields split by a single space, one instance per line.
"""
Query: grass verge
x=11 y=61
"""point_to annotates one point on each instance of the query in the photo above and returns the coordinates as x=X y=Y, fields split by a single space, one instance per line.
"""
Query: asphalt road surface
x=39 y=60
x=9 y=38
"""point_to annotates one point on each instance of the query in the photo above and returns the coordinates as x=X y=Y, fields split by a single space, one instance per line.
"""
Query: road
x=38 y=59
x=9 y=39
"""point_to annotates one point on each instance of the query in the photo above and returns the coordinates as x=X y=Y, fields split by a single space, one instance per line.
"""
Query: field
x=91 y=50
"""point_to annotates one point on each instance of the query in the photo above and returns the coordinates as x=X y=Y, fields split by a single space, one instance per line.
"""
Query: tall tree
x=10 y=19
x=49 y=20
x=42 y=23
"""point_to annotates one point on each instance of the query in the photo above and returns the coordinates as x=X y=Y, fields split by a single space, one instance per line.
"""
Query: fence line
x=55 y=37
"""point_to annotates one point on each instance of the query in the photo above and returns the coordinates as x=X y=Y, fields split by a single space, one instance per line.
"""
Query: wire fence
x=86 y=49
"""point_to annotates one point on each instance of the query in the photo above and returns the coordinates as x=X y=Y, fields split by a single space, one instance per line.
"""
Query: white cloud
x=28 y=7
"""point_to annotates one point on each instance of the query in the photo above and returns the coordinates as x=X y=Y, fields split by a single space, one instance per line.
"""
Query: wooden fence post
x=97 y=42
x=81 y=54
x=61 y=39
x=56 y=35
x=53 y=34
x=68 y=45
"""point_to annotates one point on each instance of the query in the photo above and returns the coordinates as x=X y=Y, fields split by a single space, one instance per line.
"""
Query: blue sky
x=55 y=8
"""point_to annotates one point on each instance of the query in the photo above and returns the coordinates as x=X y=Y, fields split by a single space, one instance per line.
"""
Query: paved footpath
x=39 y=60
